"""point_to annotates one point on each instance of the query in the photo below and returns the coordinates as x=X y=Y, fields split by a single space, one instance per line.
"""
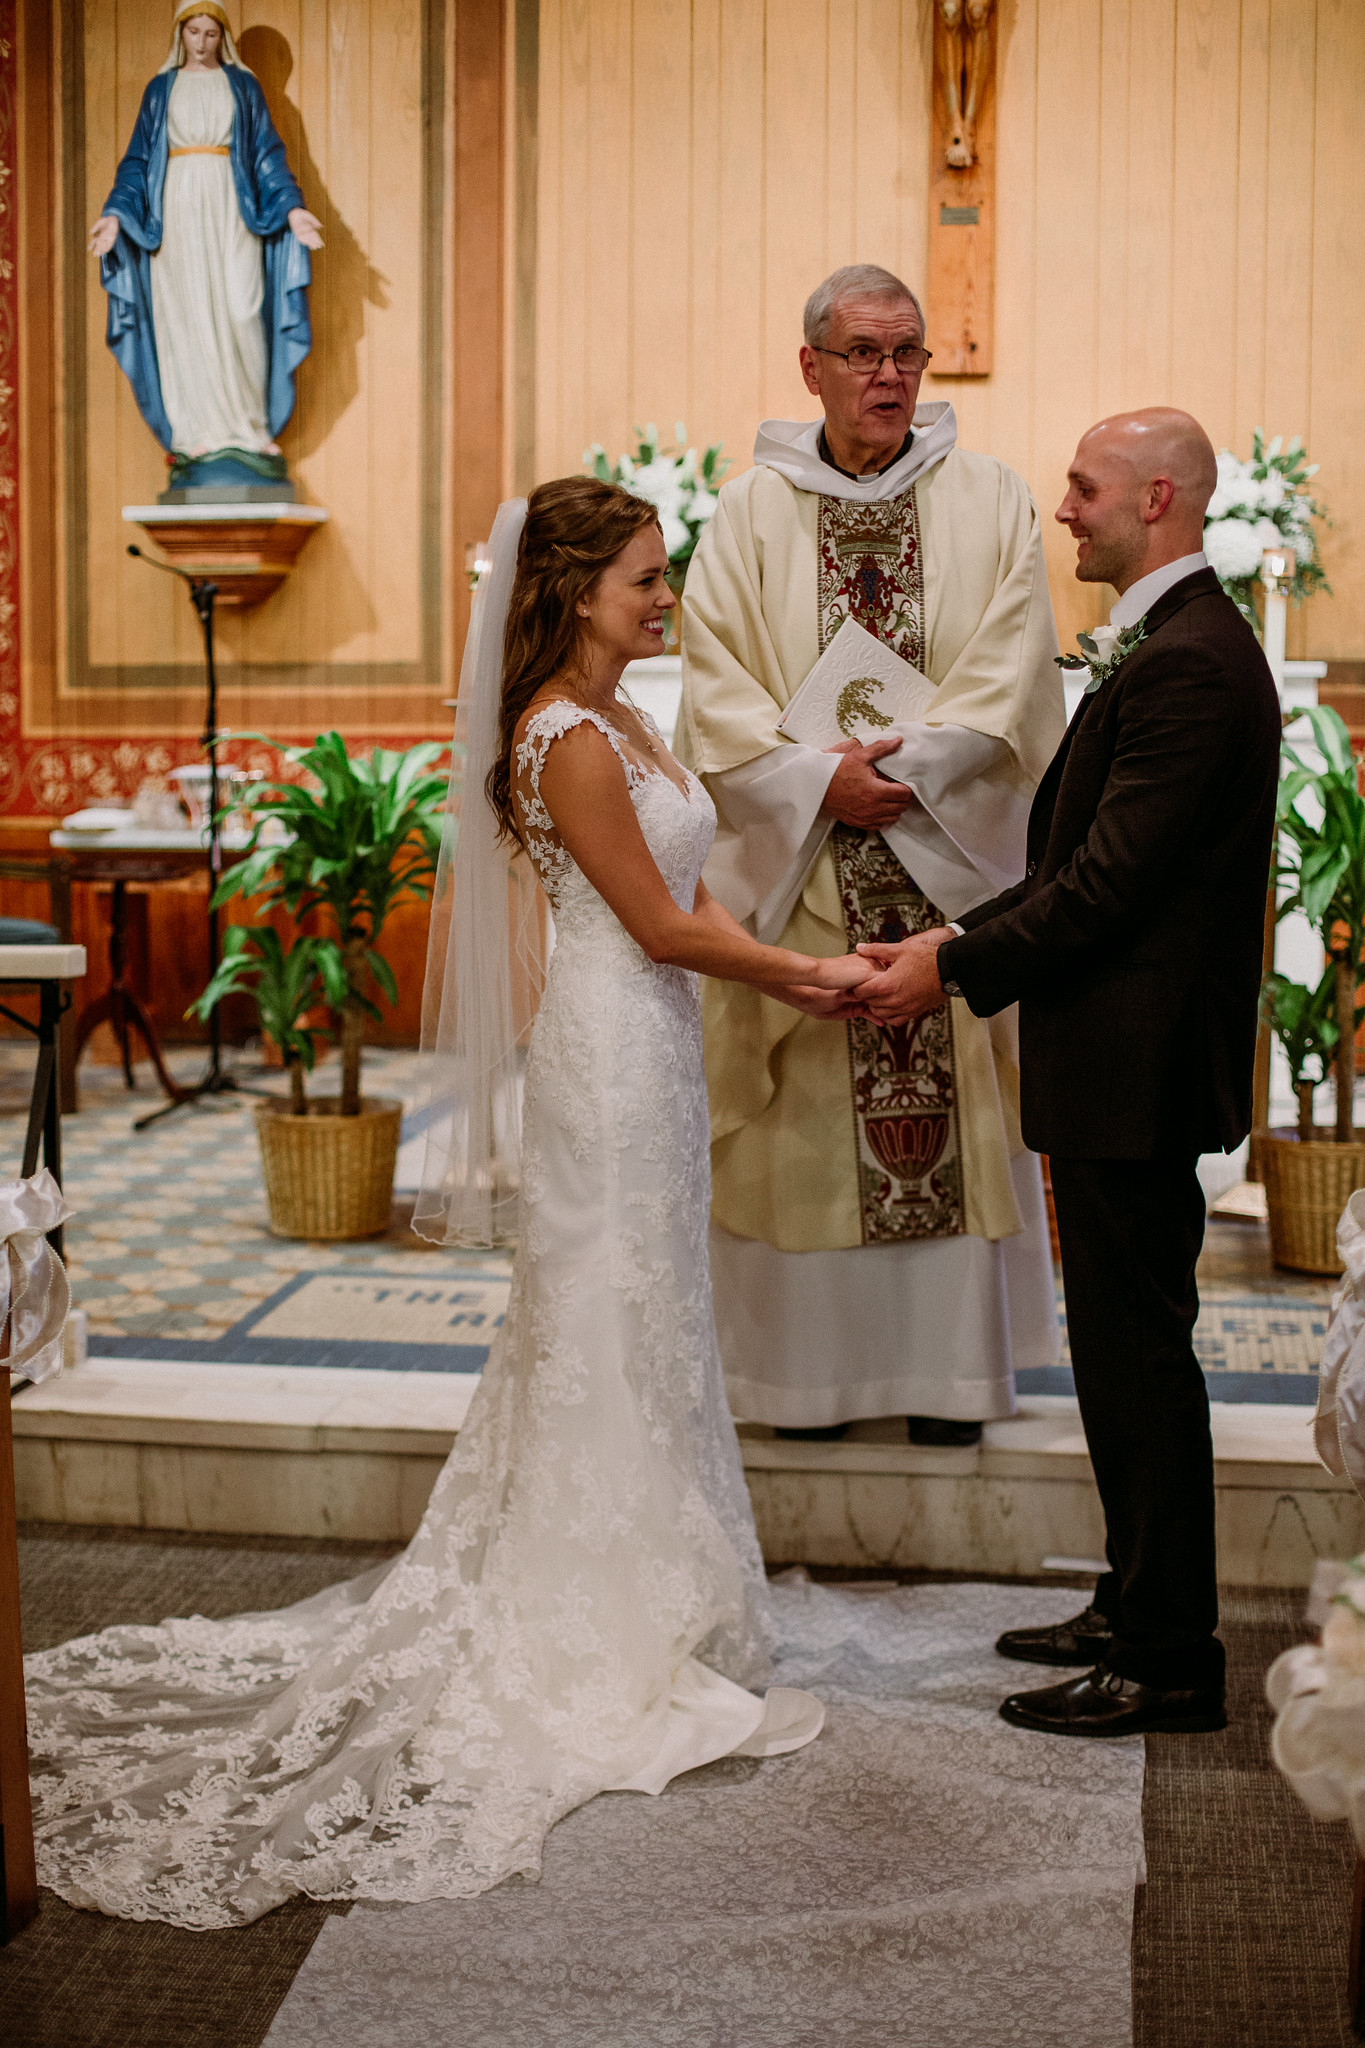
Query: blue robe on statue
x=266 y=193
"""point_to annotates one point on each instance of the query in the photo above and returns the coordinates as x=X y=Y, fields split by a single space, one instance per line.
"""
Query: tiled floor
x=172 y=1258
x=171 y=1255
x=1260 y=1330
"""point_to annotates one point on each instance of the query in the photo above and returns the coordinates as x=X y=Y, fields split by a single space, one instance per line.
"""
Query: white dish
x=96 y=819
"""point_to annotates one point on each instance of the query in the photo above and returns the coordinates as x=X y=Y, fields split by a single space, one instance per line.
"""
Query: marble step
x=310 y=1451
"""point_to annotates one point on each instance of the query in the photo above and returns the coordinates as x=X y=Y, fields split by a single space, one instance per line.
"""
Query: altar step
x=310 y=1451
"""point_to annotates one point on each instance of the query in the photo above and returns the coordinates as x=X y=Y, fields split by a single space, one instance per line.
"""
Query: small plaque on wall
x=961 y=284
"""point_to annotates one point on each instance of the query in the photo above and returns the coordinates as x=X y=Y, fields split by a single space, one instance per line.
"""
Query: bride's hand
x=830 y=1005
x=850 y=971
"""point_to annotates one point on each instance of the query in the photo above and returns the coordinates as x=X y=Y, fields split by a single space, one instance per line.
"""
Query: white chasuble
x=879 y=1237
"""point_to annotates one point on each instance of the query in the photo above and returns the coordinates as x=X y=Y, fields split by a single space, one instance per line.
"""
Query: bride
x=583 y=1608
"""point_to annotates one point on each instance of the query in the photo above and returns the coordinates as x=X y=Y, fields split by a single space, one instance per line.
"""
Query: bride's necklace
x=646 y=738
x=611 y=713
x=651 y=746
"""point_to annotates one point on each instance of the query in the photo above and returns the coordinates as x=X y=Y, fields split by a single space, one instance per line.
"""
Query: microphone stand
x=203 y=593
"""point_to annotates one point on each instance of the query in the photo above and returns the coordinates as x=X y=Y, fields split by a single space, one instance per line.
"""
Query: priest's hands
x=305 y=227
x=908 y=984
x=103 y=235
x=857 y=795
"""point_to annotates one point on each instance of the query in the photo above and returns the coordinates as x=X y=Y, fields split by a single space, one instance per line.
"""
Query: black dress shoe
x=1103 y=1703
x=936 y=1432
x=830 y=1434
x=1082 y=1640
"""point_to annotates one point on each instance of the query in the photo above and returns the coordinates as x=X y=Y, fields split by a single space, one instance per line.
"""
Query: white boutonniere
x=1103 y=650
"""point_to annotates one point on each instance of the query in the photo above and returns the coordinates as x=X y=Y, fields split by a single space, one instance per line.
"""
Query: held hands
x=857 y=795
x=828 y=994
x=908 y=984
x=900 y=982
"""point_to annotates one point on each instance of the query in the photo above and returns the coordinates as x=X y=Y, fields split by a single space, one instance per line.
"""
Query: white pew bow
x=34 y=1293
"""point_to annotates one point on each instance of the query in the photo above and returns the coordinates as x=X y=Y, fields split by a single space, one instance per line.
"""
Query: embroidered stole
x=902 y=1076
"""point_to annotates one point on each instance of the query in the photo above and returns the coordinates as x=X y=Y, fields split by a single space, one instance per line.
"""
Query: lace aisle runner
x=923 y=1876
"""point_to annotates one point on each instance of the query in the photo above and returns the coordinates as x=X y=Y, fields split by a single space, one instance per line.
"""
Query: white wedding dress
x=584 y=1603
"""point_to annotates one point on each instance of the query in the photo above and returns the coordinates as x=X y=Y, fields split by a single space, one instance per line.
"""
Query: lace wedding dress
x=584 y=1603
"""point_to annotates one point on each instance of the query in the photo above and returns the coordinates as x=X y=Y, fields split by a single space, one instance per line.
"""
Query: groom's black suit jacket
x=1133 y=944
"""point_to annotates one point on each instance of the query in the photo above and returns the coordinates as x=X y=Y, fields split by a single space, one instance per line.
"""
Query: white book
x=855 y=691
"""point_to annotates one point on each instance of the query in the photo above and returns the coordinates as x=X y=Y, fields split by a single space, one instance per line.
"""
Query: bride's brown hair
x=574 y=527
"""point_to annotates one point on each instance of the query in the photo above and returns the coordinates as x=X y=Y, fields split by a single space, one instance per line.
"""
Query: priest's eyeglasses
x=909 y=358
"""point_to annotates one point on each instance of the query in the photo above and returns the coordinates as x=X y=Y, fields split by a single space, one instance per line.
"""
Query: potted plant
x=356 y=838
x=286 y=985
x=1304 y=1021
x=1309 y=1174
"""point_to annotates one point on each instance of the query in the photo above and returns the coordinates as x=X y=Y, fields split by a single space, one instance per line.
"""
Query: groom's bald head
x=1137 y=490
x=1159 y=442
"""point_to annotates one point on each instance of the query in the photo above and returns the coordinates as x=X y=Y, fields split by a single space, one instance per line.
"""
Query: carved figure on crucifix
x=964 y=23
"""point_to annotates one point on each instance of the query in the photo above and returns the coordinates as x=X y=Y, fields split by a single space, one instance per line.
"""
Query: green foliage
x=1324 y=859
x=350 y=842
x=286 y=985
x=363 y=836
x=1304 y=1021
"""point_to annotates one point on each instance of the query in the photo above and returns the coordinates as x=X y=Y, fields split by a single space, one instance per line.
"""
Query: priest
x=879 y=1238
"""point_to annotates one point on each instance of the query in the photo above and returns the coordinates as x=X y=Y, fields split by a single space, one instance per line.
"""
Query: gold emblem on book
x=855 y=701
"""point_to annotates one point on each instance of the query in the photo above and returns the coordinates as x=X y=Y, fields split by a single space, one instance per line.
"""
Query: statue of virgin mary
x=203 y=246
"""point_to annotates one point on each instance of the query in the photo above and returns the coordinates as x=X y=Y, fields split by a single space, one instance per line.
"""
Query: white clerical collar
x=791 y=447
x=1139 y=597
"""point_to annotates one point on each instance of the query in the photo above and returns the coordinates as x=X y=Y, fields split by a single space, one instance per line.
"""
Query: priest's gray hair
x=854 y=281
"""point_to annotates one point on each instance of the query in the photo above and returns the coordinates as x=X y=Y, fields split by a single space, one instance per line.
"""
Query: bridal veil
x=486 y=956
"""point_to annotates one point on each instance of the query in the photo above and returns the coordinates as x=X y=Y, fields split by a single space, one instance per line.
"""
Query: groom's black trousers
x=1130 y=1233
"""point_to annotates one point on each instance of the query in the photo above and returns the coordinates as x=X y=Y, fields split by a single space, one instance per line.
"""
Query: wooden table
x=53 y=969
x=118 y=858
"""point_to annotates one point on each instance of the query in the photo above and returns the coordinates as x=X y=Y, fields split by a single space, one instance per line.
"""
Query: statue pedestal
x=248 y=550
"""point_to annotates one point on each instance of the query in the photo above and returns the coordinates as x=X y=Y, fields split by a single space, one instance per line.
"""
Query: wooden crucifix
x=962 y=189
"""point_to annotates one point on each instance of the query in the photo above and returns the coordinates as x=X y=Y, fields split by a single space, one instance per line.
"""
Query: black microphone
x=198 y=585
x=152 y=563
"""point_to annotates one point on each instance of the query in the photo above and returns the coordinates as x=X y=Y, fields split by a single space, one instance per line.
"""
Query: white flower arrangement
x=680 y=484
x=1259 y=504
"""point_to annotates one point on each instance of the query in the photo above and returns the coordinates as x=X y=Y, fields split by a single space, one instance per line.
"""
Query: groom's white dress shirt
x=1139 y=597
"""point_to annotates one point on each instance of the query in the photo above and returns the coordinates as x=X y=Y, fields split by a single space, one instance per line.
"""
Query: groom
x=1133 y=948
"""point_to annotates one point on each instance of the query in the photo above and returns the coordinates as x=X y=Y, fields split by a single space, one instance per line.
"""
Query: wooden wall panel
x=1181 y=188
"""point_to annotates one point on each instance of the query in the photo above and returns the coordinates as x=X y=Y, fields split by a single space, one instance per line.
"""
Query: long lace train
x=583 y=1606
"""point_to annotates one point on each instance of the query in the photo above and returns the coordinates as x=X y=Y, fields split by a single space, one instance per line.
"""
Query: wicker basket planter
x=330 y=1176
x=1306 y=1188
